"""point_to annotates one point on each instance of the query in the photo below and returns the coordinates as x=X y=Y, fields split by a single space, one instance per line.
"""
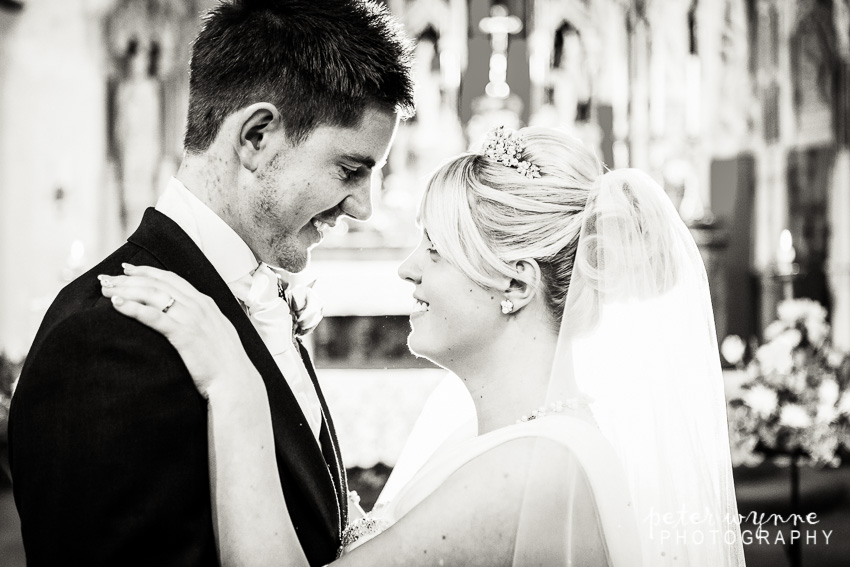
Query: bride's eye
x=430 y=248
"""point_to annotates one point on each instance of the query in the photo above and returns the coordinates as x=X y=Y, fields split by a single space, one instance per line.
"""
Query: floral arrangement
x=8 y=374
x=795 y=398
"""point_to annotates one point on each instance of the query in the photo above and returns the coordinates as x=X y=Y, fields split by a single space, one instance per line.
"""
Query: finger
x=115 y=285
x=106 y=280
x=156 y=295
x=137 y=280
x=194 y=309
x=164 y=276
x=145 y=314
x=144 y=295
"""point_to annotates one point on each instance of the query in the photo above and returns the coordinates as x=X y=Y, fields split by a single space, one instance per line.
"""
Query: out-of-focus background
x=739 y=108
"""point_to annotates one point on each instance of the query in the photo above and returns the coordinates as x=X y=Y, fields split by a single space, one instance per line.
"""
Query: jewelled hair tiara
x=505 y=147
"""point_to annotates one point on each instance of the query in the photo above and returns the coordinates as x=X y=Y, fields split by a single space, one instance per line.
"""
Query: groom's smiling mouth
x=325 y=220
x=320 y=224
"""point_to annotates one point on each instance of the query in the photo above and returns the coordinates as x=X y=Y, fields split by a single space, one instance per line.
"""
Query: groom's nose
x=358 y=204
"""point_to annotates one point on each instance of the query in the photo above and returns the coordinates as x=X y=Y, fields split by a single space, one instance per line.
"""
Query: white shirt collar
x=225 y=249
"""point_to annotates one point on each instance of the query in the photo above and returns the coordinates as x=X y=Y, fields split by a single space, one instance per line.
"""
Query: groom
x=292 y=107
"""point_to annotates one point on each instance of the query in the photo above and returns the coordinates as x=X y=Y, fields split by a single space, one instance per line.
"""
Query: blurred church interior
x=739 y=108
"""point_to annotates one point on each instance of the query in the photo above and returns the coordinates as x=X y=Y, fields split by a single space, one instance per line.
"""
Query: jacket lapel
x=297 y=450
x=330 y=444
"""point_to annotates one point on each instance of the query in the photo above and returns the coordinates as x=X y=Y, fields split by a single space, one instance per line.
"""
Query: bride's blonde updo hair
x=483 y=216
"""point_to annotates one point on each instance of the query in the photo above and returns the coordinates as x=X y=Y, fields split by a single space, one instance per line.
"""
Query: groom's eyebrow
x=361 y=159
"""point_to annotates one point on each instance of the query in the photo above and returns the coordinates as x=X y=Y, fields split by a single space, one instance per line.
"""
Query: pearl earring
x=507 y=306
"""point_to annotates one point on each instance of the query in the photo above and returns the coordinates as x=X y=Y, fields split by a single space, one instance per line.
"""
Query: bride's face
x=453 y=316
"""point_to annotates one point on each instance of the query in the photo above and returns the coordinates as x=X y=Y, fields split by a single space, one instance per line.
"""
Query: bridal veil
x=637 y=342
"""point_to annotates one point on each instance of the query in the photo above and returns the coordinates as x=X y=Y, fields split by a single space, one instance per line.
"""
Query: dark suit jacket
x=108 y=436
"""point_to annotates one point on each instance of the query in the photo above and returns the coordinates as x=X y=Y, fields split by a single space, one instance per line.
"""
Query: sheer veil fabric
x=645 y=477
x=637 y=342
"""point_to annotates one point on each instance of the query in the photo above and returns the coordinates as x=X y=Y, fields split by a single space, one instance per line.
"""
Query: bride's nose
x=409 y=269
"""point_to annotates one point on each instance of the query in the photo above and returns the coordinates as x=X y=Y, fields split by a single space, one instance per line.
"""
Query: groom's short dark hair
x=320 y=62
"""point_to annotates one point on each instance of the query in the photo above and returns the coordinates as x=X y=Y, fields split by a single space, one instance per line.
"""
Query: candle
x=785 y=253
x=75 y=262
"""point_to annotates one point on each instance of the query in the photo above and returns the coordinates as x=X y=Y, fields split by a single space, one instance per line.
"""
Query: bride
x=574 y=305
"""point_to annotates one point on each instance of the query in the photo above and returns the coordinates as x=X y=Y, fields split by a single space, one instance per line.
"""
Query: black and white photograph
x=425 y=283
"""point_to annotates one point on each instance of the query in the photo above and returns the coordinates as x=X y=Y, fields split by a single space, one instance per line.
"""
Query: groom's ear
x=525 y=283
x=257 y=124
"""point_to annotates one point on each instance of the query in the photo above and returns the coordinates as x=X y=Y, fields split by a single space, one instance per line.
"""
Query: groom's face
x=302 y=189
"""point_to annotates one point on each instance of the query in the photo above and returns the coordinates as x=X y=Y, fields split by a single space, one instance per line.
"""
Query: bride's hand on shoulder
x=191 y=321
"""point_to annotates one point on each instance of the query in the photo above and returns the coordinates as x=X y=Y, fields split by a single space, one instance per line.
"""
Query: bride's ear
x=525 y=284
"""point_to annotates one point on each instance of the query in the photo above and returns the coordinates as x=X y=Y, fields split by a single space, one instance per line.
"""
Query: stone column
x=838 y=263
x=771 y=199
x=615 y=84
x=52 y=159
x=712 y=241
x=639 y=107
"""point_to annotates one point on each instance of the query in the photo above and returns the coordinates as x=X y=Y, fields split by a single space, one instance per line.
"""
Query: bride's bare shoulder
x=481 y=503
x=514 y=459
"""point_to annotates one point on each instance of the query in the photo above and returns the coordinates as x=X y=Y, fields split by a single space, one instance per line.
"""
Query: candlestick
x=785 y=267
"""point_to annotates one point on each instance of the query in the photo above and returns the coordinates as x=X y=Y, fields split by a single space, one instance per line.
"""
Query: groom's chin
x=294 y=262
x=301 y=264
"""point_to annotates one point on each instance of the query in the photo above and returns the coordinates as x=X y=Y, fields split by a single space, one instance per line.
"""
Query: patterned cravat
x=271 y=316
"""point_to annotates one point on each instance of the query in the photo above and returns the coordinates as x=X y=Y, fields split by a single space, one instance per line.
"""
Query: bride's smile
x=419 y=308
x=452 y=316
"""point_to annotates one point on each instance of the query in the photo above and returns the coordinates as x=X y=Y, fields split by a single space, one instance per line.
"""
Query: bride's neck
x=510 y=377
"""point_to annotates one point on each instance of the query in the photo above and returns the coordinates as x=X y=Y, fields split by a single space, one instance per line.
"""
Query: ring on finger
x=168 y=305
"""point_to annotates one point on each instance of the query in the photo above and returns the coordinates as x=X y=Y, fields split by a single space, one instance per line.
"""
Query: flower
x=774 y=330
x=794 y=415
x=775 y=357
x=817 y=330
x=9 y=372
x=825 y=413
x=843 y=406
x=305 y=307
x=796 y=382
x=528 y=169
x=762 y=400
x=790 y=338
x=828 y=392
x=792 y=311
x=732 y=348
x=822 y=443
x=835 y=358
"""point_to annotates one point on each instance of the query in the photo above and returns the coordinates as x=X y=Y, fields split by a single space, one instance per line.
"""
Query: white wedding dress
x=586 y=520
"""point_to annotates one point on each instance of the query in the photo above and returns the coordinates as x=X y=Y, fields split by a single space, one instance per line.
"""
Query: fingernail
x=127 y=267
x=105 y=281
x=117 y=300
